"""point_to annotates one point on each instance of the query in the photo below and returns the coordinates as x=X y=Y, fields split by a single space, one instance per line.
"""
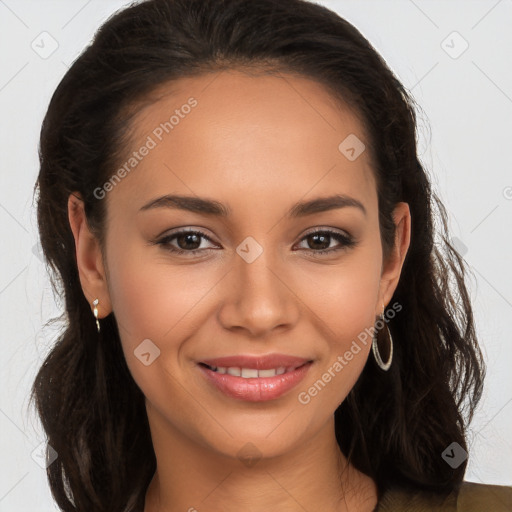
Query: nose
x=257 y=299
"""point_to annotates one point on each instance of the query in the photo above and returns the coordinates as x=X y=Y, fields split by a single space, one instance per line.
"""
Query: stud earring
x=95 y=312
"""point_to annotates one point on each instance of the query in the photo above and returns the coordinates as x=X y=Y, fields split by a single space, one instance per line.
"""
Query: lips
x=255 y=378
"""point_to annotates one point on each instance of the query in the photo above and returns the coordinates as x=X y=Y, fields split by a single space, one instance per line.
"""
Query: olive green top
x=471 y=497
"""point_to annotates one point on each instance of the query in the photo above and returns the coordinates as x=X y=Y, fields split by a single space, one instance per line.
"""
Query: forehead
x=233 y=132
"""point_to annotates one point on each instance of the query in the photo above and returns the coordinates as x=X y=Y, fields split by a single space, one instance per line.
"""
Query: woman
x=230 y=346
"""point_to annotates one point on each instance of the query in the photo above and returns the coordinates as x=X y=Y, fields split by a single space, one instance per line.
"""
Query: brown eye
x=188 y=242
x=319 y=241
x=185 y=240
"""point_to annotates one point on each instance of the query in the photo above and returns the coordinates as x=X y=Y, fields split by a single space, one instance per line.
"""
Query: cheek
x=155 y=300
x=147 y=301
x=344 y=296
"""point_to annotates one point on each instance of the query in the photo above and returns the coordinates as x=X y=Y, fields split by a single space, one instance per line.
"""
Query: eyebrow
x=211 y=207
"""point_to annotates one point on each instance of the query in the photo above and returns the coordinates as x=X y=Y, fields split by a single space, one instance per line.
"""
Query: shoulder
x=470 y=497
x=476 y=497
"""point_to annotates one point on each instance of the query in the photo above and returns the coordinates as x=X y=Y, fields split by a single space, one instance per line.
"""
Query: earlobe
x=89 y=259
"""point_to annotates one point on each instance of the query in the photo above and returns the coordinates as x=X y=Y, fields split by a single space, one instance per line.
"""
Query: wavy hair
x=393 y=425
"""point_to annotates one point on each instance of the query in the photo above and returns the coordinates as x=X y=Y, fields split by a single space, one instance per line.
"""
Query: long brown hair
x=393 y=425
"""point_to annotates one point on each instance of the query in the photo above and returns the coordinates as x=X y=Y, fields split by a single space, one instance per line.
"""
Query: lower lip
x=256 y=389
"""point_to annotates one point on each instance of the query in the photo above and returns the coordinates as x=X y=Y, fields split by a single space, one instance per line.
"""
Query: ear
x=89 y=259
x=392 y=267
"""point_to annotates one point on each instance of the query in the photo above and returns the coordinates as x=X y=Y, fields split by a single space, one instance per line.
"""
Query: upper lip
x=265 y=362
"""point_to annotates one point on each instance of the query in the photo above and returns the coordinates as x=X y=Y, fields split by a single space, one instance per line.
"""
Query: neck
x=313 y=476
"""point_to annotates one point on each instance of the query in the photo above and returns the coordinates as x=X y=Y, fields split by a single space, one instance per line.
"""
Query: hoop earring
x=375 y=348
x=95 y=312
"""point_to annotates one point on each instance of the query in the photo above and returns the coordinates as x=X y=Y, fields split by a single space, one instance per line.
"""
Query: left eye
x=186 y=239
x=319 y=237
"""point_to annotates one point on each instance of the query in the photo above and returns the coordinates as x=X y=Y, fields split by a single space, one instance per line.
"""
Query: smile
x=254 y=385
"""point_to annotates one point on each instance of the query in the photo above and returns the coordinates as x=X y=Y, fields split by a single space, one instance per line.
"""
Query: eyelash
x=345 y=240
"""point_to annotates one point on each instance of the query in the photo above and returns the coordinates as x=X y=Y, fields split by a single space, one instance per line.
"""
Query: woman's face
x=256 y=147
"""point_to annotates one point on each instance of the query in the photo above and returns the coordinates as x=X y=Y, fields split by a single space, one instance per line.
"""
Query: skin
x=249 y=139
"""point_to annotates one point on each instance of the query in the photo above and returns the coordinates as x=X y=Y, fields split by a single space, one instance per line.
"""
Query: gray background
x=465 y=140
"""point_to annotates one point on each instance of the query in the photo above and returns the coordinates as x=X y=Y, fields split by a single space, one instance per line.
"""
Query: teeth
x=247 y=373
x=251 y=373
x=267 y=373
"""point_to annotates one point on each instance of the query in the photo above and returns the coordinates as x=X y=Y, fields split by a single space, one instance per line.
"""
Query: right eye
x=184 y=238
